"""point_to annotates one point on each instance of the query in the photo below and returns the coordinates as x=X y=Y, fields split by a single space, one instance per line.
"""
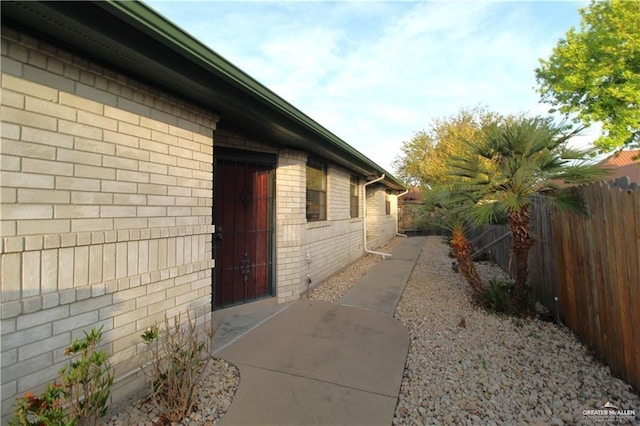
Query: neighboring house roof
x=622 y=158
x=134 y=39
x=624 y=163
x=414 y=194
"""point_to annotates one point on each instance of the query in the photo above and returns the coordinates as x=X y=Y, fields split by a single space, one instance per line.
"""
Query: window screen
x=316 y=190
x=354 y=196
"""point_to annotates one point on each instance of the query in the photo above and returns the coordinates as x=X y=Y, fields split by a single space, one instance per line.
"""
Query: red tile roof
x=622 y=158
x=624 y=163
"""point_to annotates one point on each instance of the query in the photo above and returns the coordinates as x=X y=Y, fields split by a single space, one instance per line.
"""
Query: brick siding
x=381 y=227
x=106 y=212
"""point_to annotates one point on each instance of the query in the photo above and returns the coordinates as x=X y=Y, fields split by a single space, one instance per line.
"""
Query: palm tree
x=463 y=250
x=451 y=205
x=527 y=157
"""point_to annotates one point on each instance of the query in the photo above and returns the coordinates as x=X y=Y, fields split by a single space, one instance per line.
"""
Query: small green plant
x=485 y=365
x=179 y=354
x=518 y=323
x=498 y=296
x=150 y=334
x=87 y=380
x=46 y=409
x=82 y=394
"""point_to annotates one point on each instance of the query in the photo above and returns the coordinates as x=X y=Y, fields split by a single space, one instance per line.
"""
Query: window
x=316 y=190
x=354 y=196
x=387 y=204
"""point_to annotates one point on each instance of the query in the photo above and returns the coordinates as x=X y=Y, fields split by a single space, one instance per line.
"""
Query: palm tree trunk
x=520 y=224
x=462 y=251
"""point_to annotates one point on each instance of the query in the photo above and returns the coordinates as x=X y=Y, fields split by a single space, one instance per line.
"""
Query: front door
x=243 y=218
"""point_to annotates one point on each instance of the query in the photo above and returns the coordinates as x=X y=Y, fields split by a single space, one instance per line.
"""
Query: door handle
x=218 y=233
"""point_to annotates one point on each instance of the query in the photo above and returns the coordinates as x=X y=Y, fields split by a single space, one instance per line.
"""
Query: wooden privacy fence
x=599 y=275
x=411 y=220
x=542 y=257
x=592 y=265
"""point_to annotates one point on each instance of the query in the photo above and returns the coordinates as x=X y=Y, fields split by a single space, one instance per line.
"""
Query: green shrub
x=87 y=380
x=82 y=394
x=498 y=296
x=46 y=409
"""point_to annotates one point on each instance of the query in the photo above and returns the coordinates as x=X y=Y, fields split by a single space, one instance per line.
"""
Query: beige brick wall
x=331 y=244
x=290 y=223
x=381 y=227
x=105 y=212
x=337 y=242
x=229 y=139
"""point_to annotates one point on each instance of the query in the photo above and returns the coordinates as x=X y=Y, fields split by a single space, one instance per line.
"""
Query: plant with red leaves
x=43 y=410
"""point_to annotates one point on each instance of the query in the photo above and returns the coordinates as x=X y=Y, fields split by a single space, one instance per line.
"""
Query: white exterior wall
x=106 y=213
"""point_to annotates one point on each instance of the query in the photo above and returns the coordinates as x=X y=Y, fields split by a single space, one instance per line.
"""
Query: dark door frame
x=256 y=158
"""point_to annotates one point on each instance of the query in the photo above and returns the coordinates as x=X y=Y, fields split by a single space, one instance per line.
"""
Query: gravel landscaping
x=213 y=398
x=464 y=366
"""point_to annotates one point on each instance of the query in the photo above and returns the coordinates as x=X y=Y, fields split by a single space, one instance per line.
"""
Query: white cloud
x=374 y=73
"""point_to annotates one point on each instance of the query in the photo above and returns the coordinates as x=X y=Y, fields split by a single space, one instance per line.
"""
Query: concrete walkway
x=381 y=288
x=322 y=363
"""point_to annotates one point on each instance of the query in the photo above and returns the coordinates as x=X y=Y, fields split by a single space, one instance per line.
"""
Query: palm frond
x=487 y=212
x=582 y=173
x=575 y=154
x=565 y=200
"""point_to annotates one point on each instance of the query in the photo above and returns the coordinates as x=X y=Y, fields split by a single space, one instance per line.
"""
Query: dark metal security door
x=243 y=216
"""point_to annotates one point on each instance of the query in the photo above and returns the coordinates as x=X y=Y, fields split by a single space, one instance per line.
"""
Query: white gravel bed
x=213 y=398
x=466 y=366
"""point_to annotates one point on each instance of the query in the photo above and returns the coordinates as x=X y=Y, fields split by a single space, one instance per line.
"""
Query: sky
x=376 y=72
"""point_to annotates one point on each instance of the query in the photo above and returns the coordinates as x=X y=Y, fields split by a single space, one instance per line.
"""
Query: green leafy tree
x=519 y=159
x=594 y=73
x=447 y=198
x=423 y=161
